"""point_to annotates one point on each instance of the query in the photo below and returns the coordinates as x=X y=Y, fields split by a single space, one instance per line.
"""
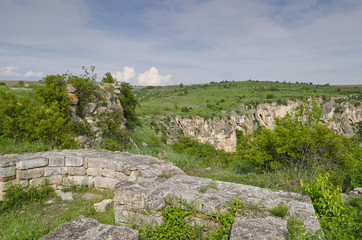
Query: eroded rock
x=88 y=228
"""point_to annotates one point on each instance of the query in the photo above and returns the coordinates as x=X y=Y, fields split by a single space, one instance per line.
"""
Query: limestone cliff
x=221 y=132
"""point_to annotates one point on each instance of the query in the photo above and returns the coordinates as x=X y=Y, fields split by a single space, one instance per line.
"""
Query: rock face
x=221 y=133
x=88 y=228
x=107 y=103
x=141 y=184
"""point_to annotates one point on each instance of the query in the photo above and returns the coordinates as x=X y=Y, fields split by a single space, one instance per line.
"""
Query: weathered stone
x=272 y=228
x=149 y=193
x=31 y=163
x=56 y=161
x=7 y=172
x=104 y=182
x=50 y=171
x=104 y=205
x=108 y=173
x=65 y=196
x=38 y=181
x=124 y=217
x=97 y=162
x=56 y=179
x=73 y=161
x=79 y=171
x=73 y=99
x=94 y=171
x=29 y=174
x=78 y=180
x=70 y=88
x=121 y=176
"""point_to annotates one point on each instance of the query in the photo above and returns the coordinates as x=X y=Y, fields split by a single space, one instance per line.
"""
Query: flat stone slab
x=83 y=228
x=147 y=194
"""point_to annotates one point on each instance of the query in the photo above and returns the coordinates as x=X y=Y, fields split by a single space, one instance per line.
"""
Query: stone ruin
x=141 y=184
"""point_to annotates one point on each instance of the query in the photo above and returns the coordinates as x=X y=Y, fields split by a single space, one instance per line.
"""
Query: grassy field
x=213 y=99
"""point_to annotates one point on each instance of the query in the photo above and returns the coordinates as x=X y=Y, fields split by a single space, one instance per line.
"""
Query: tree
x=129 y=104
x=108 y=78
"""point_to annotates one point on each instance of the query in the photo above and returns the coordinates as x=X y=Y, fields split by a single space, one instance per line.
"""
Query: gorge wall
x=221 y=132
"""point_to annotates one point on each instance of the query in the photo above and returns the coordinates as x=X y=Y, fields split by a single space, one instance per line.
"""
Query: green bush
x=280 y=211
x=337 y=220
x=108 y=78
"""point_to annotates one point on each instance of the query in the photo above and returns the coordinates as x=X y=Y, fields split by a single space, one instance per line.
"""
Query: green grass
x=8 y=145
x=34 y=219
x=210 y=100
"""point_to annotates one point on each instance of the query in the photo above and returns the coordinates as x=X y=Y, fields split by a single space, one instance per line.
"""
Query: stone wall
x=142 y=183
x=102 y=169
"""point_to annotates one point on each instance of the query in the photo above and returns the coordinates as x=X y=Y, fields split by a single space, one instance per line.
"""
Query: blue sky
x=160 y=42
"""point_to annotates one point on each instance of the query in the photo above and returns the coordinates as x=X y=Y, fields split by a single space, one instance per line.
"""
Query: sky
x=164 y=42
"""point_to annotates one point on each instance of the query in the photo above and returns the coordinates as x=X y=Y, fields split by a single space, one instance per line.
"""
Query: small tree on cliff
x=129 y=104
x=108 y=78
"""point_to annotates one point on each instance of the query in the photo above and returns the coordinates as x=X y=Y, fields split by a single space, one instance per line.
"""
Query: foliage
x=326 y=198
x=16 y=195
x=226 y=220
x=176 y=222
x=280 y=211
x=129 y=104
x=108 y=78
x=305 y=143
x=85 y=86
x=34 y=120
x=337 y=220
x=298 y=231
x=9 y=145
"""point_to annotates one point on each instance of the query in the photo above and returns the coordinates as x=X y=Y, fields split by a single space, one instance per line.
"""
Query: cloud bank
x=125 y=76
x=152 y=77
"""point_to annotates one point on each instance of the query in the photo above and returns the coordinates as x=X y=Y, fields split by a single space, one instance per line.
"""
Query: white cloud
x=125 y=76
x=33 y=74
x=10 y=71
x=153 y=78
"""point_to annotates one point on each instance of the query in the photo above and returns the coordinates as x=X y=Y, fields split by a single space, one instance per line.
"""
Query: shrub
x=129 y=104
x=326 y=198
x=108 y=78
x=281 y=210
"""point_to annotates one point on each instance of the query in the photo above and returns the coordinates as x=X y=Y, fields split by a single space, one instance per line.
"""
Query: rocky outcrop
x=106 y=104
x=88 y=228
x=142 y=183
x=221 y=132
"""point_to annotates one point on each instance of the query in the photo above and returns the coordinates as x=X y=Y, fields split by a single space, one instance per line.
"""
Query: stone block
x=78 y=180
x=94 y=171
x=109 y=173
x=37 y=181
x=104 y=205
x=31 y=163
x=97 y=162
x=7 y=172
x=50 y=171
x=121 y=176
x=56 y=161
x=73 y=161
x=55 y=179
x=104 y=182
x=88 y=228
x=29 y=174
x=125 y=217
x=79 y=171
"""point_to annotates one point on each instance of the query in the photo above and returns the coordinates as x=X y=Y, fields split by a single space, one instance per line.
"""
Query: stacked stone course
x=101 y=169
